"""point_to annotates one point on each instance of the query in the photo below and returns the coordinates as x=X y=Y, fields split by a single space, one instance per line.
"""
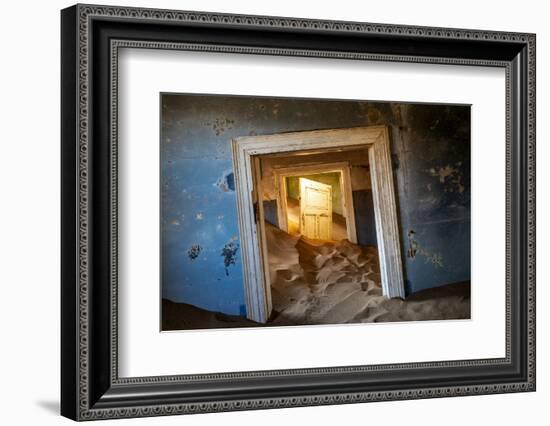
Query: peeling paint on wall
x=434 y=258
x=413 y=245
x=220 y=125
x=194 y=251
x=226 y=183
x=450 y=176
x=229 y=253
x=414 y=249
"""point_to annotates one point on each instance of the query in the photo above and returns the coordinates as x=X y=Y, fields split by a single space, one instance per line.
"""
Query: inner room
x=320 y=234
x=314 y=206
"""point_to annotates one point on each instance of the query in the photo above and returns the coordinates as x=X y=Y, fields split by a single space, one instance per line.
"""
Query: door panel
x=315 y=209
x=324 y=227
x=309 y=228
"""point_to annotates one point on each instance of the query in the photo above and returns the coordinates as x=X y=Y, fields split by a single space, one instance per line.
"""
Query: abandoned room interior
x=288 y=211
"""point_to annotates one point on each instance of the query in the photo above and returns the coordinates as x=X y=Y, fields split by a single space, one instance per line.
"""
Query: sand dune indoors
x=331 y=283
x=318 y=282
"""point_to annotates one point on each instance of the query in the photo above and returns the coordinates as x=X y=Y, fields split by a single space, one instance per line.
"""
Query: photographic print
x=349 y=212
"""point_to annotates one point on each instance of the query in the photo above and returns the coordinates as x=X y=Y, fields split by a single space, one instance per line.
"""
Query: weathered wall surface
x=201 y=261
x=431 y=146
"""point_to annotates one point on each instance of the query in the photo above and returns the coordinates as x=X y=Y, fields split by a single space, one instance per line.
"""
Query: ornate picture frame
x=91 y=37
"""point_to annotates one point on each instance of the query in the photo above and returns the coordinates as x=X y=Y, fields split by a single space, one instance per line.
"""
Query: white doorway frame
x=246 y=166
x=343 y=168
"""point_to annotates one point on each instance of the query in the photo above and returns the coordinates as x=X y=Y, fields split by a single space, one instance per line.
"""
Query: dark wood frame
x=90 y=386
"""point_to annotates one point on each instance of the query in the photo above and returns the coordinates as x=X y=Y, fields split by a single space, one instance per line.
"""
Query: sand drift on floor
x=332 y=283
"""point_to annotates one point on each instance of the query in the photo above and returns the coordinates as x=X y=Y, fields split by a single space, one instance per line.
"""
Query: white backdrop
x=29 y=225
x=146 y=352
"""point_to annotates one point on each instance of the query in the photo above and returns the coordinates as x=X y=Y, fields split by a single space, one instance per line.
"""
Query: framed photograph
x=263 y=212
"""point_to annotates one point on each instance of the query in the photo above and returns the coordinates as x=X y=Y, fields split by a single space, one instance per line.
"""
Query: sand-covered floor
x=183 y=316
x=339 y=282
x=326 y=283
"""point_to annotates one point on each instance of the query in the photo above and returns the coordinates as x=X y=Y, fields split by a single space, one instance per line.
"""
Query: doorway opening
x=314 y=200
x=312 y=207
x=318 y=218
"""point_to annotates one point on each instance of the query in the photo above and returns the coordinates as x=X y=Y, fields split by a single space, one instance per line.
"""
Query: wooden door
x=315 y=209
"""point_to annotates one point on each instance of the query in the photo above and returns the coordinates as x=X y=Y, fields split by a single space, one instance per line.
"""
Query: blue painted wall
x=201 y=258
